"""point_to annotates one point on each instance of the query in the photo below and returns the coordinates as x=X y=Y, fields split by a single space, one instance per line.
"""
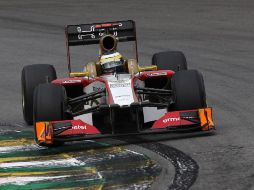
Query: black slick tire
x=31 y=77
x=49 y=102
x=49 y=105
x=188 y=90
x=170 y=60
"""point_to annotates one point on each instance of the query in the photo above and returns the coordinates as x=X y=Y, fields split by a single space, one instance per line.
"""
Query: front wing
x=47 y=133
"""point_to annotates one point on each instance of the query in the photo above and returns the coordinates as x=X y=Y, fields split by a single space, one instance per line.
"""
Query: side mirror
x=78 y=74
x=91 y=69
x=148 y=68
x=132 y=66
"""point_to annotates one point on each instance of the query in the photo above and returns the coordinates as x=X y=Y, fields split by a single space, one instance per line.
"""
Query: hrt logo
x=77 y=127
x=171 y=119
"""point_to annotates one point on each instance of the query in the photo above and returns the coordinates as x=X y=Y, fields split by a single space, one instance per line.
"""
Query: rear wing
x=88 y=34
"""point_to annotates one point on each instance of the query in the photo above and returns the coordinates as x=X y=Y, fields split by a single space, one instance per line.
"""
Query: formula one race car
x=113 y=96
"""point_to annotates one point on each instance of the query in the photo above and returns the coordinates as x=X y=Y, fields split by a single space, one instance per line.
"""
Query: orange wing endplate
x=206 y=119
x=44 y=132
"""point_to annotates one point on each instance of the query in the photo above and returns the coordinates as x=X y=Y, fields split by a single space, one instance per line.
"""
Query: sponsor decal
x=121 y=91
x=96 y=88
x=189 y=117
x=109 y=25
x=70 y=81
x=122 y=98
x=171 y=119
x=78 y=127
x=157 y=74
x=119 y=84
x=83 y=31
x=81 y=35
x=90 y=33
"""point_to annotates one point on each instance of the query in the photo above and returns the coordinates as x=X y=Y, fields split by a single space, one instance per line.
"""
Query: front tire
x=49 y=102
x=49 y=105
x=188 y=90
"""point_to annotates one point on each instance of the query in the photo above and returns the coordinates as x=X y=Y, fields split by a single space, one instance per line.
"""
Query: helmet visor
x=111 y=64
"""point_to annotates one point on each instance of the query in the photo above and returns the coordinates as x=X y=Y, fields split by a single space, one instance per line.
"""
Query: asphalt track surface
x=217 y=38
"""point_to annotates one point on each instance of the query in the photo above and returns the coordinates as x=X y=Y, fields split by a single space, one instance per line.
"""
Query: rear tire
x=170 y=60
x=188 y=90
x=31 y=77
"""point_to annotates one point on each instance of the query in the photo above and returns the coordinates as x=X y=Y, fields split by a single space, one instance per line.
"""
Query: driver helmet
x=112 y=62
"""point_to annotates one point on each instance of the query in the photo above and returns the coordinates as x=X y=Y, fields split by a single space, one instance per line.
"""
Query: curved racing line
x=186 y=169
